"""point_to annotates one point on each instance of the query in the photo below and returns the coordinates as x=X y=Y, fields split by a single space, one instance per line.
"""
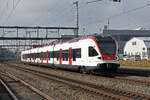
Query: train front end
x=108 y=49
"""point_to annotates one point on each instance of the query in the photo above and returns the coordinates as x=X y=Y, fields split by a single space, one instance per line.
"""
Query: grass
x=143 y=63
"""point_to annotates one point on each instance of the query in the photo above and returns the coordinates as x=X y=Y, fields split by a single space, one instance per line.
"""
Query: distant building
x=6 y=54
x=138 y=46
x=122 y=36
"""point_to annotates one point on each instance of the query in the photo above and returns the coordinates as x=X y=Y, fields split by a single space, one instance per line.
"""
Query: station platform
x=142 y=71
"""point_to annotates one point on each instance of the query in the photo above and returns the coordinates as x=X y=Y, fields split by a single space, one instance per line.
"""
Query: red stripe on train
x=70 y=56
x=41 y=57
x=60 y=56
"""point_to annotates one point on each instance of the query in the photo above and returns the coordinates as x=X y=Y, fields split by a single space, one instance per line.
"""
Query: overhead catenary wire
x=40 y=18
x=10 y=14
x=4 y=8
x=61 y=15
x=93 y=1
x=120 y=14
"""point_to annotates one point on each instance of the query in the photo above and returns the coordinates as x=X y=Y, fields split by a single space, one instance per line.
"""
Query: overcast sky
x=128 y=14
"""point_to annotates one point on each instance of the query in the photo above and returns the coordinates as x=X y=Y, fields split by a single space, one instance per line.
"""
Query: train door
x=60 y=56
x=70 y=56
x=92 y=55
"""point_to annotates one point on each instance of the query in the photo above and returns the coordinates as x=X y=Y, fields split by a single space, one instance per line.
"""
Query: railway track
x=5 y=92
x=116 y=78
x=11 y=79
x=106 y=91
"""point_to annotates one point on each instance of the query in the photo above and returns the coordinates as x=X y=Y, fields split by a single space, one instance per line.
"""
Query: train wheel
x=90 y=72
x=83 y=70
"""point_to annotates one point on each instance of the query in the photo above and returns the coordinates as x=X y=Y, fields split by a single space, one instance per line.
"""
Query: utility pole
x=13 y=4
x=77 y=6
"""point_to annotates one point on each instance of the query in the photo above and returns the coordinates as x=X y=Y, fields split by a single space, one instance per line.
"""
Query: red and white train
x=86 y=54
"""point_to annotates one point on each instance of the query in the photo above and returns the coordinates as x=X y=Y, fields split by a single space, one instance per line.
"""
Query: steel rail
x=28 y=85
x=64 y=79
x=119 y=79
x=8 y=90
x=85 y=86
x=31 y=87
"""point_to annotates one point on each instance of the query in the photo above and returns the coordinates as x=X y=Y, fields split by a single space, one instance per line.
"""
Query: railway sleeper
x=83 y=70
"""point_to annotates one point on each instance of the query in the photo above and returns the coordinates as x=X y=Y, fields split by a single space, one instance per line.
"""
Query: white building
x=138 y=46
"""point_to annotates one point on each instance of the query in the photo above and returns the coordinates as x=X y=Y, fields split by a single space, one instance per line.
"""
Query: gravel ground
x=121 y=85
x=23 y=92
x=3 y=93
x=55 y=89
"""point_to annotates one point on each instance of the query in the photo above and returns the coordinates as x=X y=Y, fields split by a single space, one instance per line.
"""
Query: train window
x=35 y=55
x=92 y=52
x=107 y=46
x=49 y=55
x=76 y=54
x=57 y=55
x=45 y=55
x=23 y=56
x=65 y=55
x=40 y=55
x=54 y=53
x=32 y=55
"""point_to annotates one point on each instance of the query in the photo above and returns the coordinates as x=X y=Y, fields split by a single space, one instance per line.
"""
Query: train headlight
x=116 y=58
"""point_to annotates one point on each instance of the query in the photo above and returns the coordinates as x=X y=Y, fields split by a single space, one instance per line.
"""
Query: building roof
x=127 y=32
x=147 y=44
x=145 y=39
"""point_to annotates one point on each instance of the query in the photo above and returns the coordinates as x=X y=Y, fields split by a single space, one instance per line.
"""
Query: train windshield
x=107 y=46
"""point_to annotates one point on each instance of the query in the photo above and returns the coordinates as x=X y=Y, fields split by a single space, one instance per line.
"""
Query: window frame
x=91 y=54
